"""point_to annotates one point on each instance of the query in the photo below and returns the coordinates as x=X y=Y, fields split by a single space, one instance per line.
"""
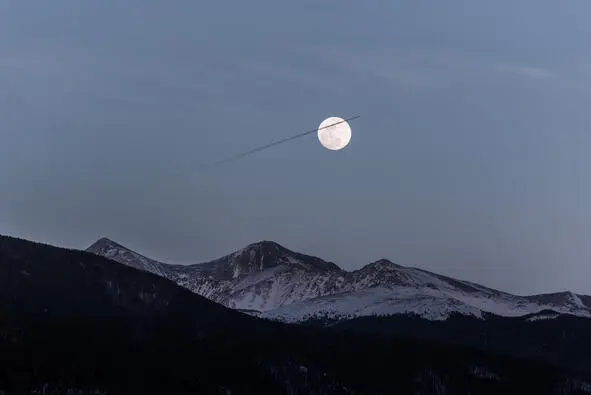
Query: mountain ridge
x=284 y=285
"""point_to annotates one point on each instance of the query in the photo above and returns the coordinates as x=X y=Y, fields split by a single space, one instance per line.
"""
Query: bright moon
x=334 y=137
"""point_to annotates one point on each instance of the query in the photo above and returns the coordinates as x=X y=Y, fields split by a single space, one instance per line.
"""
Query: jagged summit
x=115 y=251
x=381 y=264
x=266 y=245
x=263 y=255
x=260 y=256
x=102 y=243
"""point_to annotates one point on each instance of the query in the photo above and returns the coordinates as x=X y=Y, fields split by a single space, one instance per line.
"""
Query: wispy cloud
x=407 y=69
x=520 y=70
x=64 y=80
x=533 y=73
x=430 y=69
x=575 y=79
x=306 y=76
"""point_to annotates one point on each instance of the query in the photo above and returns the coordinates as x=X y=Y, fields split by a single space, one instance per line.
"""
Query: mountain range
x=271 y=281
x=72 y=322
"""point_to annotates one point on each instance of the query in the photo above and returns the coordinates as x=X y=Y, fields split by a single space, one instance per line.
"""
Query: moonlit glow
x=335 y=137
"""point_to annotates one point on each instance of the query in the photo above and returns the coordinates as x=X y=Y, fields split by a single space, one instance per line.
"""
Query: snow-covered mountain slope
x=269 y=280
x=110 y=249
x=430 y=303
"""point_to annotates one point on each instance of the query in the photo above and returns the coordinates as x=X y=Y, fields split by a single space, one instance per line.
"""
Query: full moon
x=334 y=137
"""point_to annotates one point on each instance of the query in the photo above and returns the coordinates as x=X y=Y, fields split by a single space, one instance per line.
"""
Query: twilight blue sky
x=471 y=157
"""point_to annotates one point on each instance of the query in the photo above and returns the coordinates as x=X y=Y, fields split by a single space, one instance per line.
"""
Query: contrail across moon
x=264 y=147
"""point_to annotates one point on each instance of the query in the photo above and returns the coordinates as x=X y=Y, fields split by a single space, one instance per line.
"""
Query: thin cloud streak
x=435 y=69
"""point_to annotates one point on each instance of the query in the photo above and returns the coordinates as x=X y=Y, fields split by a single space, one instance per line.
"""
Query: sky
x=470 y=159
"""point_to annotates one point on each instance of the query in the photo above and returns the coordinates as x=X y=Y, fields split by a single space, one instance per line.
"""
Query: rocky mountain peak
x=258 y=257
x=381 y=264
x=264 y=248
x=266 y=254
x=115 y=251
x=102 y=244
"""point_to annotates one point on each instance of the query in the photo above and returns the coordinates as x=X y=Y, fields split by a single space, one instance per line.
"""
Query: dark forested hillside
x=561 y=340
x=73 y=321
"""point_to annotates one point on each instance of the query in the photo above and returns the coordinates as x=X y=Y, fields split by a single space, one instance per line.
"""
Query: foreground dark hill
x=73 y=322
x=562 y=340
